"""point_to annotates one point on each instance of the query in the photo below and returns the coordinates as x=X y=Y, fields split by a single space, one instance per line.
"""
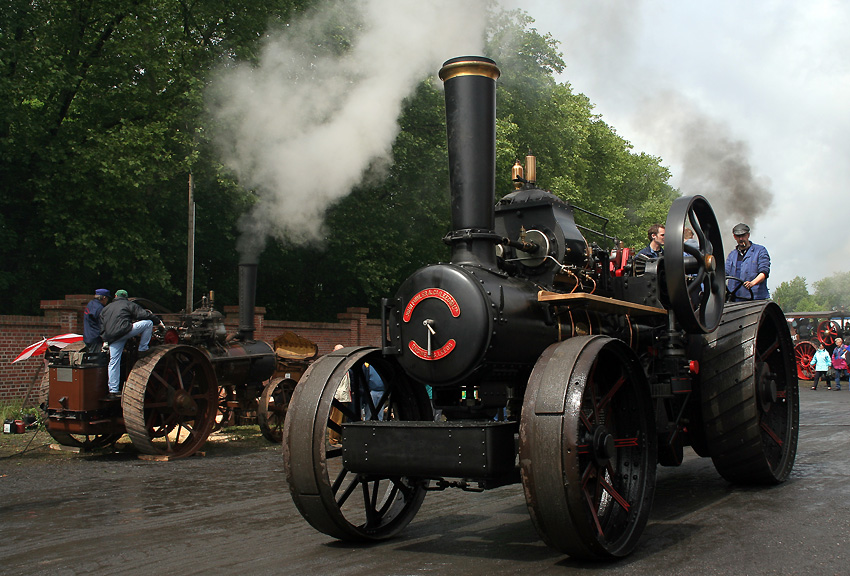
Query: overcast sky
x=756 y=90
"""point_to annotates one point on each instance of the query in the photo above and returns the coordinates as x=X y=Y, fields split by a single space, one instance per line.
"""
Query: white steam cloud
x=305 y=125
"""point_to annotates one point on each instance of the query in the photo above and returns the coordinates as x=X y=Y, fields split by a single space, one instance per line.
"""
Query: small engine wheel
x=273 y=404
x=828 y=331
x=804 y=352
x=226 y=415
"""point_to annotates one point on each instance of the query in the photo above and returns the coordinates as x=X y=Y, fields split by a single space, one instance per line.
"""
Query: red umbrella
x=39 y=347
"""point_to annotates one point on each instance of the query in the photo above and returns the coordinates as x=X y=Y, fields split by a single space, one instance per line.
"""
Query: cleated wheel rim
x=803 y=353
x=170 y=401
x=750 y=395
x=587 y=448
x=274 y=402
x=336 y=502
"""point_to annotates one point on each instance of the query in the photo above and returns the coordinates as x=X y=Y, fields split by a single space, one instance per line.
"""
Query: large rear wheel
x=587 y=448
x=750 y=395
x=170 y=401
x=342 y=504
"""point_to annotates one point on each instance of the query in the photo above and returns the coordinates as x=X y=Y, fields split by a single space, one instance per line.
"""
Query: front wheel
x=342 y=504
x=587 y=448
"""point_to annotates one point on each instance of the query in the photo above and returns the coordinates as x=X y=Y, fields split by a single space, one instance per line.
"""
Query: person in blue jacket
x=750 y=264
x=374 y=386
x=655 y=248
x=821 y=361
x=91 y=320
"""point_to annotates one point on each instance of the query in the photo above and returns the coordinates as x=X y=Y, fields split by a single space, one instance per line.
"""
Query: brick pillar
x=355 y=319
x=67 y=313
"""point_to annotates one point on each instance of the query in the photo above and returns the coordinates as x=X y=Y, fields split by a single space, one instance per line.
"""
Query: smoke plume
x=709 y=160
x=319 y=111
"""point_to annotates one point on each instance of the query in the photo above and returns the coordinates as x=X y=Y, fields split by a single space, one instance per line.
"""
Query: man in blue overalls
x=750 y=264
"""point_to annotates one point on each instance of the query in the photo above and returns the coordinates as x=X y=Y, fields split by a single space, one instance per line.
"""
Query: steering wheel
x=734 y=293
x=695 y=278
x=827 y=332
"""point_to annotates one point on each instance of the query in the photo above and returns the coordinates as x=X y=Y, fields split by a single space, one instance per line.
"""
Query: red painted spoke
x=590 y=500
x=614 y=494
x=770 y=350
x=626 y=443
x=770 y=433
x=614 y=389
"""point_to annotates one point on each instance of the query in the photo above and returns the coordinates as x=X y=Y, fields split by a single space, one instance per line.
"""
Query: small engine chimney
x=470 y=85
x=247 y=300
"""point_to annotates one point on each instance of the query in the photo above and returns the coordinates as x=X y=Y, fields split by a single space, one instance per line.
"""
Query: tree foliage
x=102 y=119
x=831 y=293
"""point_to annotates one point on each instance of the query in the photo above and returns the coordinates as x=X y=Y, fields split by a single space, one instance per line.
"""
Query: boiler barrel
x=241 y=362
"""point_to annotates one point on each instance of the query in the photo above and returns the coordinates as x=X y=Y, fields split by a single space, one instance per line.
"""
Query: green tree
x=789 y=295
x=834 y=291
x=102 y=118
x=100 y=109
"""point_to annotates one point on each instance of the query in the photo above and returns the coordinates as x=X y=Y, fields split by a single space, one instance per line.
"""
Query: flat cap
x=102 y=292
x=740 y=229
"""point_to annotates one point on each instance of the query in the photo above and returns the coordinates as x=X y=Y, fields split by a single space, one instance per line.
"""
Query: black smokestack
x=470 y=83
x=247 y=300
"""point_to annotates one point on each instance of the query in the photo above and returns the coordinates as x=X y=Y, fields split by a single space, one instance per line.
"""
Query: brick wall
x=353 y=328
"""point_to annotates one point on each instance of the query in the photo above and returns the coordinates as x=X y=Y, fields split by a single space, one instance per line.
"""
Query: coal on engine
x=551 y=361
x=173 y=398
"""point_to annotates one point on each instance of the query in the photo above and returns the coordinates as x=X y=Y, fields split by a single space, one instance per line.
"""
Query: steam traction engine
x=171 y=397
x=570 y=368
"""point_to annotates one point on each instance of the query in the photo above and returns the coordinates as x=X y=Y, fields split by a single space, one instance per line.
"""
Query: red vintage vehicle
x=810 y=328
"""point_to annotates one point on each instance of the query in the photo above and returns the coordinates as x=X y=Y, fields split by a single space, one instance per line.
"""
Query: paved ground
x=230 y=512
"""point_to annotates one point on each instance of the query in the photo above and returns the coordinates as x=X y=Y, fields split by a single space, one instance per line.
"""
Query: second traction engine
x=542 y=353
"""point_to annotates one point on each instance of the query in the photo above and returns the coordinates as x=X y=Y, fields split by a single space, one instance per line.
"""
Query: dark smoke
x=709 y=160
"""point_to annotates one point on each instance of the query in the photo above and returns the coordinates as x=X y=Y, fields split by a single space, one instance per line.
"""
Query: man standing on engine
x=91 y=320
x=122 y=320
x=748 y=265
x=655 y=248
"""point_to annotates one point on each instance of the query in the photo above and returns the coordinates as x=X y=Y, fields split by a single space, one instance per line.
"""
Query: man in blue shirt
x=748 y=265
x=91 y=320
x=655 y=248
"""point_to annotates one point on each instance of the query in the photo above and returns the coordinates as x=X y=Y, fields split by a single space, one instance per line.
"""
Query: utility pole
x=190 y=265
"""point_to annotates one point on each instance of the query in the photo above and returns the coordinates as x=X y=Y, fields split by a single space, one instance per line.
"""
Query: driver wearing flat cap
x=747 y=267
